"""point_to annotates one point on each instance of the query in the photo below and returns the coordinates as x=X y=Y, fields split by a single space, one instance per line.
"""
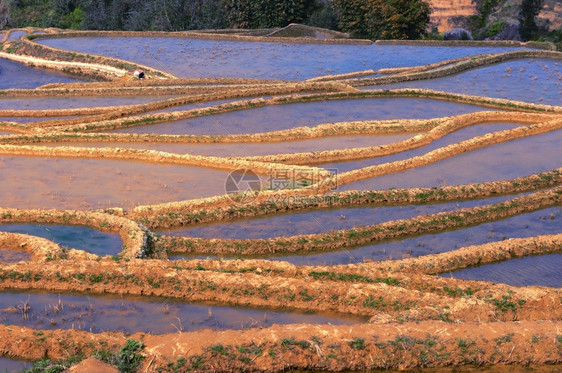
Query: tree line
x=373 y=19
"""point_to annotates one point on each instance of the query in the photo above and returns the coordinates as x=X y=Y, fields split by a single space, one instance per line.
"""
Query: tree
x=267 y=13
x=529 y=11
x=4 y=14
x=383 y=19
x=355 y=17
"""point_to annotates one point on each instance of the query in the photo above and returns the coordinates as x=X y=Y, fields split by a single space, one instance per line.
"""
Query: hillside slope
x=444 y=12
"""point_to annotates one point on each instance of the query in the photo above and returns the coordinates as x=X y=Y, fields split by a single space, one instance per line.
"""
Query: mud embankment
x=364 y=290
x=134 y=236
x=441 y=128
x=320 y=347
x=223 y=208
x=364 y=235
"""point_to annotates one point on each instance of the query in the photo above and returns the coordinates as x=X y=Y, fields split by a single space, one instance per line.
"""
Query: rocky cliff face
x=445 y=13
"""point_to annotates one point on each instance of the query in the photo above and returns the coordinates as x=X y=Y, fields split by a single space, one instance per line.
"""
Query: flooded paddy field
x=452 y=138
x=82 y=238
x=17 y=75
x=285 y=61
x=197 y=105
x=15 y=35
x=63 y=184
x=543 y=270
x=31 y=119
x=498 y=162
x=280 y=117
x=332 y=269
x=541 y=78
x=43 y=103
x=542 y=222
x=319 y=221
x=249 y=149
x=130 y=314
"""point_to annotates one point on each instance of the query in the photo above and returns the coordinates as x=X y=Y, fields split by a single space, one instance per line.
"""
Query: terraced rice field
x=262 y=204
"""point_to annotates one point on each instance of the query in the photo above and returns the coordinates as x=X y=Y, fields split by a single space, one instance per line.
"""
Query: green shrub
x=495 y=28
x=129 y=357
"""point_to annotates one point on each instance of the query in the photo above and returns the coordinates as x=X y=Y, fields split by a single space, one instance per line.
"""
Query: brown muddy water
x=541 y=80
x=280 y=117
x=35 y=182
x=13 y=256
x=319 y=221
x=248 y=149
x=542 y=270
x=153 y=315
x=502 y=161
x=82 y=238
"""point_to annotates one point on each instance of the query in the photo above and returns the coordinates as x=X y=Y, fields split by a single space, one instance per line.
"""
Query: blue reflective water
x=83 y=238
x=319 y=221
x=15 y=35
x=51 y=103
x=286 y=61
x=280 y=117
x=10 y=365
x=452 y=138
x=13 y=256
x=249 y=149
x=129 y=314
x=502 y=161
x=17 y=75
x=542 y=222
x=529 y=80
x=543 y=270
